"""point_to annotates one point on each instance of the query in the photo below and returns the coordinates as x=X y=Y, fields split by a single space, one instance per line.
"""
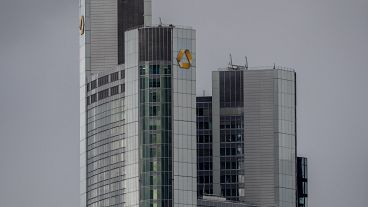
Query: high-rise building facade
x=102 y=28
x=253 y=145
x=141 y=127
x=138 y=112
x=204 y=146
x=160 y=117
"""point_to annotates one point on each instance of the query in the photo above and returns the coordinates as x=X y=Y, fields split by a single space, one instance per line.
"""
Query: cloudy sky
x=325 y=41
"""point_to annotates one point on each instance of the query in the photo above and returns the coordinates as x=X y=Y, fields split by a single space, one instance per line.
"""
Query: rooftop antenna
x=231 y=60
x=274 y=66
x=160 y=21
x=246 y=62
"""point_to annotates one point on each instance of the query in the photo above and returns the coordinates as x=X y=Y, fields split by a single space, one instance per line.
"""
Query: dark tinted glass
x=103 y=80
x=130 y=15
x=231 y=89
x=155 y=44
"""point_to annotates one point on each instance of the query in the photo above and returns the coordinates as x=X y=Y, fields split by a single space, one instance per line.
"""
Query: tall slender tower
x=137 y=127
x=102 y=27
x=247 y=137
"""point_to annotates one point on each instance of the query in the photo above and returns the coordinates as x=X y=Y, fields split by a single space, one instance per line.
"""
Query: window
x=153 y=97
x=154 y=82
x=122 y=88
x=167 y=70
x=154 y=69
x=114 y=90
x=103 y=94
x=103 y=80
x=93 y=98
x=93 y=84
x=154 y=110
x=122 y=74
x=114 y=76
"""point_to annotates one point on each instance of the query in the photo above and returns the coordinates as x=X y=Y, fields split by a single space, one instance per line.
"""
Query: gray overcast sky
x=326 y=41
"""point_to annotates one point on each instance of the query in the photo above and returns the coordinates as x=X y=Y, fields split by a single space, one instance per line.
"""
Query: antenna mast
x=246 y=62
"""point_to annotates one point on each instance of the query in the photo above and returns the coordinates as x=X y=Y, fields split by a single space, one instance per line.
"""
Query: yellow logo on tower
x=81 y=25
x=188 y=55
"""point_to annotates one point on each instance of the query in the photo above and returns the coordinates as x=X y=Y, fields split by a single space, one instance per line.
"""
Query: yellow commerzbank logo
x=188 y=55
x=81 y=25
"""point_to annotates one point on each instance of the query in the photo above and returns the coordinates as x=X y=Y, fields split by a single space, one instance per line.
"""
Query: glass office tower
x=105 y=145
x=228 y=133
x=253 y=136
x=137 y=108
x=270 y=137
x=140 y=146
x=102 y=27
x=160 y=117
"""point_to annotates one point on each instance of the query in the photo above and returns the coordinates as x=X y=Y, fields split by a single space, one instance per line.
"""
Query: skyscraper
x=138 y=135
x=102 y=27
x=252 y=145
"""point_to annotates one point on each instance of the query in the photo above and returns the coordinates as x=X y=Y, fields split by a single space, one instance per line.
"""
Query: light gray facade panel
x=266 y=170
x=184 y=118
x=260 y=165
x=102 y=31
x=216 y=113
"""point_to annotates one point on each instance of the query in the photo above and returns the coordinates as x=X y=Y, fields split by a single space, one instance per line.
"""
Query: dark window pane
x=93 y=84
x=114 y=90
x=103 y=80
x=114 y=77
x=103 y=94
x=130 y=14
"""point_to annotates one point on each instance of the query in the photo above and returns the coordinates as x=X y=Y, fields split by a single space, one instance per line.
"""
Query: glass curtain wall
x=232 y=134
x=204 y=146
x=155 y=89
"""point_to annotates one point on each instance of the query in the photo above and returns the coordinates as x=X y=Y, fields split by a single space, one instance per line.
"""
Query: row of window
x=205 y=179
x=105 y=93
x=105 y=176
x=105 y=80
x=161 y=179
x=231 y=151
x=230 y=193
x=204 y=125
x=110 y=201
x=97 y=137
x=230 y=165
x=109 y=147
x=204 y=138
x=155 y=82
x=229 y=178
x=204 y=111
x=105 y=162
x=204 y=152
x=159 y=151
x=155 y=70
x=204 y=166
x=157 y=165
x=105 y=189
x=231 y=136
x=205 y=189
